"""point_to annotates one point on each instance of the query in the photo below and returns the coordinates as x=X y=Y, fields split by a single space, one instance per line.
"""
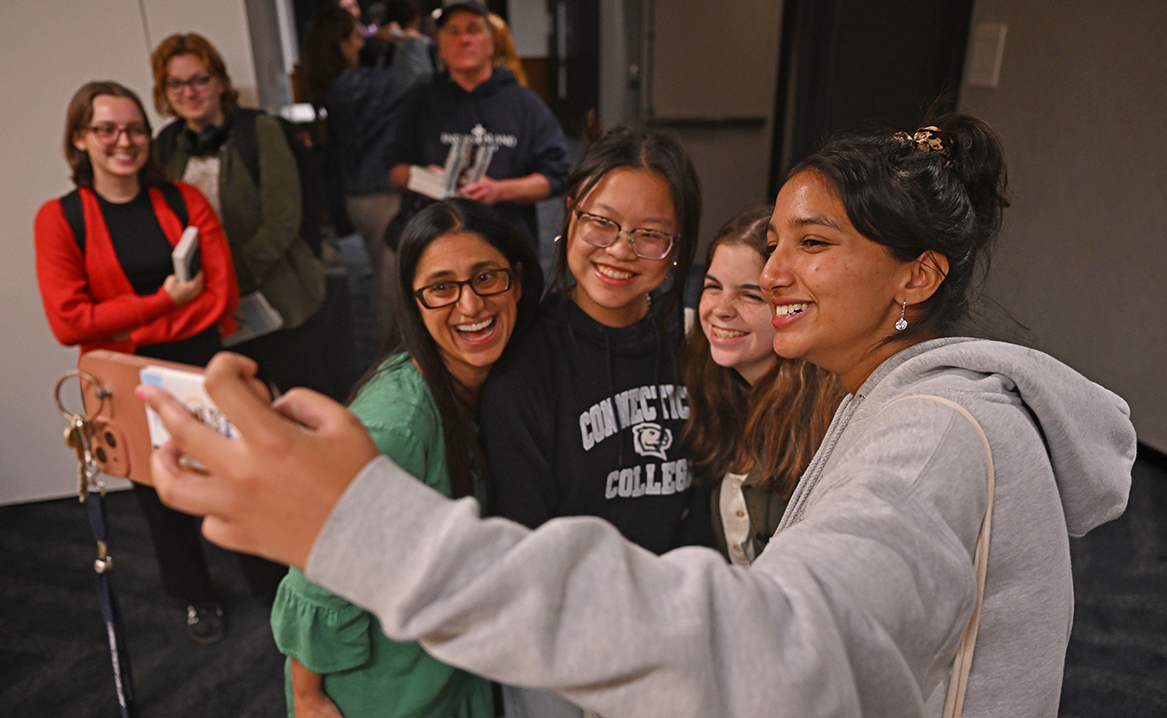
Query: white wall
x=1081 y=107
x=46 y=57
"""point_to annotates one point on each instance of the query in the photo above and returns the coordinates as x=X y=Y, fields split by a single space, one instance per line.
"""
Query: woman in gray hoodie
x=890 y=561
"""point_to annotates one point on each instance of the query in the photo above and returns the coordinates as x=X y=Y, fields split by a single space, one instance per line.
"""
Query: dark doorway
x=574 y=62
x=846 y=62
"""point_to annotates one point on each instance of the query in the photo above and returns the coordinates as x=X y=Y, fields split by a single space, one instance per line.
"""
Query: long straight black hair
x=410 y=335
x=648 y=149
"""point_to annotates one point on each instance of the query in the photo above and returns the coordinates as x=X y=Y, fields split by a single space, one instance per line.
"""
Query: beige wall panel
x=1081 y=106
x=712 y=63
x=732 y=174
x=44 y=60
x=715 y=60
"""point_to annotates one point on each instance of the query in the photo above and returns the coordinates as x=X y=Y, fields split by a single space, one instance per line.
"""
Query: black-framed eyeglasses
x=602 y=232
x=108 y=134
x=485 y=283
x=174 y=86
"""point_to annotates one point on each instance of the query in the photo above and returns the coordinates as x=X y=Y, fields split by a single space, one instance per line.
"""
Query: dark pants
x=176 y=536
x=182 y=562
x=296 y=357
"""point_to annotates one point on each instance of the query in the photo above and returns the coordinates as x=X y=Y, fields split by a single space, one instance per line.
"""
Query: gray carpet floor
x=54 y=657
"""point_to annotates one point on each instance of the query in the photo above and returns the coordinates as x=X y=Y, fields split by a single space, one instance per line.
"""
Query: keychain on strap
x=91 y=491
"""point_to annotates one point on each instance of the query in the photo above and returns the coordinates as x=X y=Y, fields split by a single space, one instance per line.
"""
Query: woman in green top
x=465 y=281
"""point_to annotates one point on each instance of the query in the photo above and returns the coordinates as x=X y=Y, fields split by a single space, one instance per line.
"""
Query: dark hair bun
x=940 y=189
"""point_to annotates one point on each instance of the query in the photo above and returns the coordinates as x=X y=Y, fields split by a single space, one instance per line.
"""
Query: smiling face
x=834 y=292
x=612 y=283
x=200 y=101
x=122 y=158
x=471 y=333
x=466 y=45
x=734 y=315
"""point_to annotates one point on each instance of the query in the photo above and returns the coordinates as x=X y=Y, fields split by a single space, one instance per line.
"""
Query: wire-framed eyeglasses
x=603 y=232
x=485 y=283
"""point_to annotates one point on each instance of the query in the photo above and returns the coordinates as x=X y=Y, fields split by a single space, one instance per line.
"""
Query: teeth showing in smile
x=786 y=310
x=476 y=327
x=613 y=273
x=720 y=333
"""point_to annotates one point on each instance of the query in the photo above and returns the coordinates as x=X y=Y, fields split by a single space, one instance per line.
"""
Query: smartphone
x=121 y=443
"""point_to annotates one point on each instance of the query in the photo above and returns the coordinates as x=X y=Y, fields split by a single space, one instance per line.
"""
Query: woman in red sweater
x=108 y=282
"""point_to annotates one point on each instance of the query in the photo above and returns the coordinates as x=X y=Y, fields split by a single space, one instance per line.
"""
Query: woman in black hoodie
x=583 y=415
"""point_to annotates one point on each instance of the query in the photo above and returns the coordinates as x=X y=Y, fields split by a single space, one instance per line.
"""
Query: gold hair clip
x=926 y=139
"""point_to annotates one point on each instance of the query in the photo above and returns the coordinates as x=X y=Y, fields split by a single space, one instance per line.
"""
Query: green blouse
x=365 y=673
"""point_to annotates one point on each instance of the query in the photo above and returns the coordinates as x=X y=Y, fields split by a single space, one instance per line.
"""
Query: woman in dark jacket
x=362 y=106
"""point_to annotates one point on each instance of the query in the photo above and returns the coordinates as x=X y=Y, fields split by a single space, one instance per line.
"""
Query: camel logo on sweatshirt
x=651 y=439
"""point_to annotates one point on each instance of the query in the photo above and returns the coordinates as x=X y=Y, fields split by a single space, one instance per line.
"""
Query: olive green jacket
x=263 y=223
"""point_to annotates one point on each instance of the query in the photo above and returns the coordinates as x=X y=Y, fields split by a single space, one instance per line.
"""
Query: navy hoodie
x=582 y=419
x=500 y=112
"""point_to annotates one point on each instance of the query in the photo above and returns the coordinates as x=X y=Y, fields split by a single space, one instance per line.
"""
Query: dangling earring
x=901 y=323
x=557 y=238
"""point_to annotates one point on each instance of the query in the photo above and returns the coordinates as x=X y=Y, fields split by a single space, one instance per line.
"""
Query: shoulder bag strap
x=962 y=664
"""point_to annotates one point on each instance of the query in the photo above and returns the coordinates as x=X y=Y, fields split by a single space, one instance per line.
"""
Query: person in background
x=504 y=49
x=466 y=282
x=922 y=567
x=755 y=419
x=485 y=106
x=260 y=215
x=393 y=22
x=209 y=145
x=584 y=414
x=110 y=284
x=363 y=107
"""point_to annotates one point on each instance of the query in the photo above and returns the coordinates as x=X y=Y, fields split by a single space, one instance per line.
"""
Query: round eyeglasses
x=486 y=283
x=108 y=134
x=602 y=232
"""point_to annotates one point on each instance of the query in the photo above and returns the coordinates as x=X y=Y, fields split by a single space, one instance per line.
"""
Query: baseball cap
x=448 y=9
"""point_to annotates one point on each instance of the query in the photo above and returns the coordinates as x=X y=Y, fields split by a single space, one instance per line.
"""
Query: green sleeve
x=319 y=629
x=401 y=444
x=399 y=412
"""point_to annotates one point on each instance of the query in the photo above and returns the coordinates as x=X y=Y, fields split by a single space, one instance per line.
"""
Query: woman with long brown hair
x=755 y=419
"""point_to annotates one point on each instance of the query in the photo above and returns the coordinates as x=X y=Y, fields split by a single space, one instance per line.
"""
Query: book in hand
x=255 y=317
x=187 y=256
x=466 y=163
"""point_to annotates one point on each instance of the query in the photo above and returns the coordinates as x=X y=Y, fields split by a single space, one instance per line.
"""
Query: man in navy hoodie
x=474 y=99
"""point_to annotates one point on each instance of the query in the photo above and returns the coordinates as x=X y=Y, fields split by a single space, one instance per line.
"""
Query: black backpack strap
x=167 y=141
x=243 y=135
x=75 y=216
x=173 y=196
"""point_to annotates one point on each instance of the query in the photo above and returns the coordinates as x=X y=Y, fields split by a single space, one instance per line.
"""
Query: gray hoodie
x=854 y=608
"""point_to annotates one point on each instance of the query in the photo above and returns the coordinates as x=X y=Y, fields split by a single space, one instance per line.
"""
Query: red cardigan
x=89 y=300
